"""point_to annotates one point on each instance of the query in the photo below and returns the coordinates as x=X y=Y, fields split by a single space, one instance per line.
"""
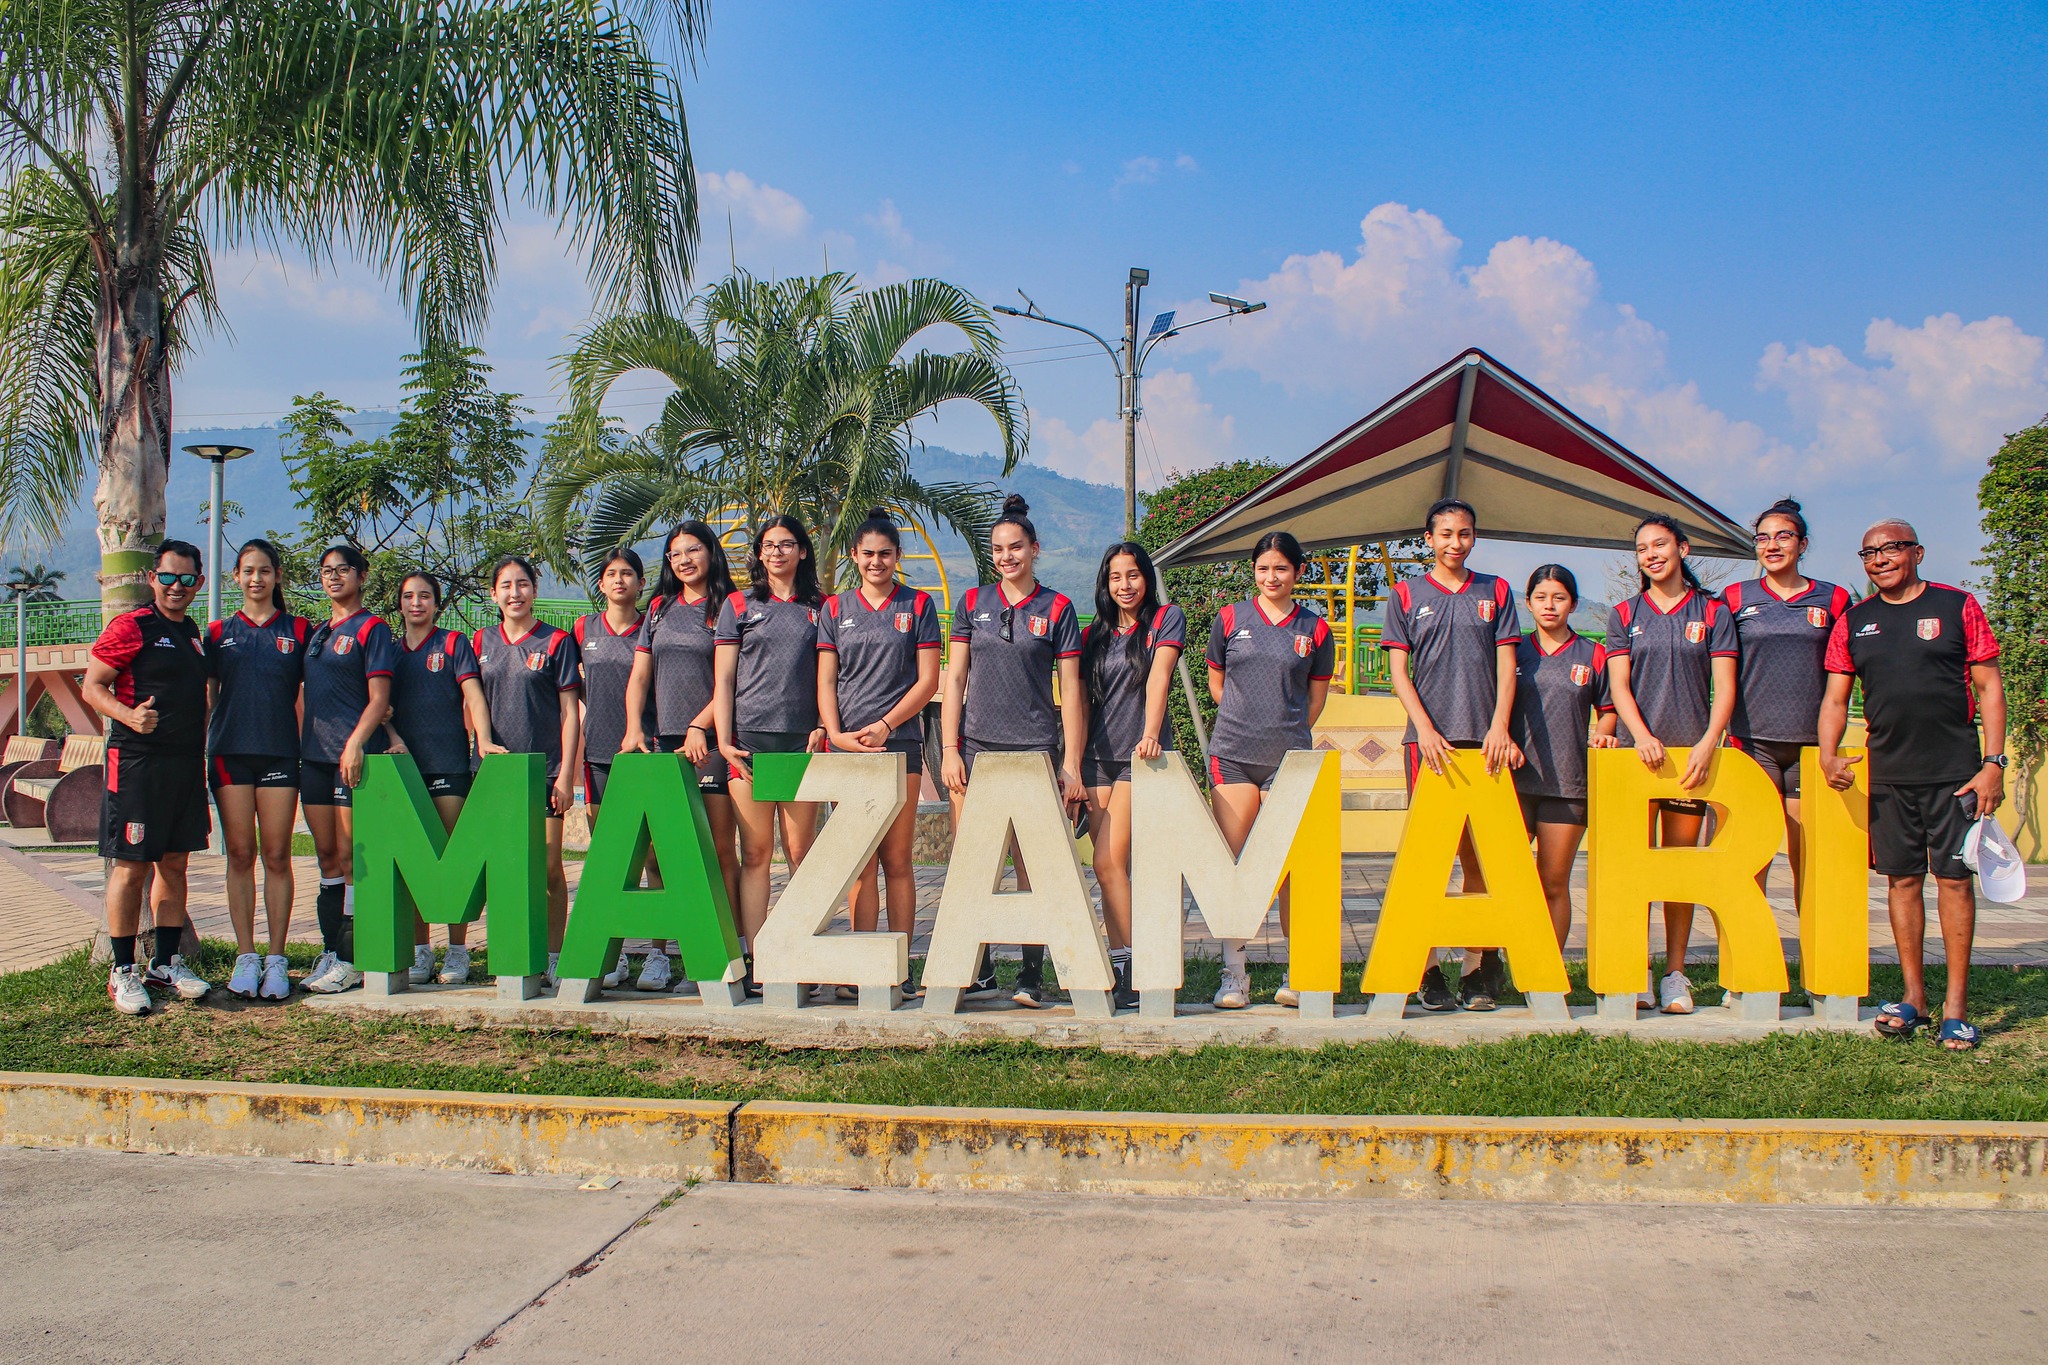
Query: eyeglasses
x=181 y=580
x=1009 y=620
x=334 y=570
x=1886 y=550
x=1777 y=537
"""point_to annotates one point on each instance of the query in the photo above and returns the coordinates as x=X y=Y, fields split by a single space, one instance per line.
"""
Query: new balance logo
x=1870 y=629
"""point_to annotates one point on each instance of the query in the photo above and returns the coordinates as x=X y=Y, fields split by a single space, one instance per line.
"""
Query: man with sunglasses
x=147 y=676
x=1928 y=661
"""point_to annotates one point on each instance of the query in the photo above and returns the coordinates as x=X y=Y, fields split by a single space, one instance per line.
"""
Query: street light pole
x=1129 y=362
x=218 y=457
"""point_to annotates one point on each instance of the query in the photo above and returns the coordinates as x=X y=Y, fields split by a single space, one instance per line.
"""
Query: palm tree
x=37 y=582
x=790 y=396
x=137 y=133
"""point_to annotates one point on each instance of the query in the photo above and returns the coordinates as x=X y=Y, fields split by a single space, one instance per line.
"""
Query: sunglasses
x=1886 y=550
x=1009 y=626
x=180 y=580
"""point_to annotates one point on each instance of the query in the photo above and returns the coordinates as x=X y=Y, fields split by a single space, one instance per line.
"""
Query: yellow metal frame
x=1332 y=582
x=736 y=536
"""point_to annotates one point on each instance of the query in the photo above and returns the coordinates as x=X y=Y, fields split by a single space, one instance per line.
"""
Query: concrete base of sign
x=582 y=990
x=513 y=989
x=1093 y=1005
x=943 y=999
x=1060 y=1024
x=784 y=995
x=1838 y=1009
x=1756 y=1006
x=1618 y=1007
x=1318 y=1004
x=880 y=999
x=383 y=985
x=1155 y=1004
x=1548 y=1005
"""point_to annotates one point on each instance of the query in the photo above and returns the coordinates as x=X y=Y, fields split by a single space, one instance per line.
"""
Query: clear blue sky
x=1721 y=236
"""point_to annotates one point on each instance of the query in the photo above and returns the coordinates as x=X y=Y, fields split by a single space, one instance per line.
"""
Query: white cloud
x=346 y=293
x=887 y=221
x=1180 y=430
x=776 y=213
x=1147 y=170
x=1184 y=162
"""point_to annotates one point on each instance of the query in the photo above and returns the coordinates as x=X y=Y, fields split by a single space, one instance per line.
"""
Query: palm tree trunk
x=135 y=434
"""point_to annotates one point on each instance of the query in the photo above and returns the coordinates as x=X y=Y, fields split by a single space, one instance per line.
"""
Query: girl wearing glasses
x=605 y=640
x=766 y=702
x=1671 y=652
x=532 y=677
x=437 y=700
x=1269 y=673
x=255 y=660
x=1009 y=638
x=1127 y=656
x=1782 y=619
x=673 y=668
x=878 y=664
x=349 y=658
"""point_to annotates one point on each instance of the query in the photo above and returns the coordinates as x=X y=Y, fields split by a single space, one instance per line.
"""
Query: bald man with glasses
x=1929 y=664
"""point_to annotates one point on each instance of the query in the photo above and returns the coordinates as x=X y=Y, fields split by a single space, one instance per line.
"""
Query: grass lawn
x=57 y=1019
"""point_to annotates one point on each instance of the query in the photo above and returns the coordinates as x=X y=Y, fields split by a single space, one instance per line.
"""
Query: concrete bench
x=60 y=794
x=22 y=750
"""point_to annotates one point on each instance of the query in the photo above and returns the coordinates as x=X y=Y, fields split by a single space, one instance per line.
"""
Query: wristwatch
x=1997 y=760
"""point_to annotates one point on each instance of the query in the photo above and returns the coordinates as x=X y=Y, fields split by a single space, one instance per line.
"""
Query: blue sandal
x=1958 y=1035
x=1897 y=1019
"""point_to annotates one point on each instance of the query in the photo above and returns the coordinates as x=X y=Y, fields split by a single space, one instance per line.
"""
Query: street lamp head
x=1236 y=304
x=1008 y=311
x=1140 y=275
x=219 y=453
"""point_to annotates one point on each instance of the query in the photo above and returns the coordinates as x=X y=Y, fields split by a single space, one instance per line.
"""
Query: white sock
x=348 y=899
x=1233 y=955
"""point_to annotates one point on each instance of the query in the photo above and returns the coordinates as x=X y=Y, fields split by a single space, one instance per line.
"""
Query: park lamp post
x=20 y=588
x=218 y=457
x=1129 y=362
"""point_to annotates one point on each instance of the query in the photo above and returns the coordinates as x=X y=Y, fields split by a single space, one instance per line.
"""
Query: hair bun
x=1015 y=506
x=1787 y=505
x=879 y=514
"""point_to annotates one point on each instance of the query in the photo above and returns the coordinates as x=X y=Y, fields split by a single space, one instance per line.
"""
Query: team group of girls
x=720 y=676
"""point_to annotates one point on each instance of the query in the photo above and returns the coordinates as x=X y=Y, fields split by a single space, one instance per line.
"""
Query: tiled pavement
x=49 y=903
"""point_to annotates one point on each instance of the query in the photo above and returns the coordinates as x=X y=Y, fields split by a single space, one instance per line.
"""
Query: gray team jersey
x=1009 y=681
x=1670 y=661
x=682 y=644
x=1267 y=667
x=607 y=665
x=1116 y=712
x=426 y=701
x=524 y=680
x=878 y=649
x=1783 y=673
x=341 y=658
x=776 y=687
x=1556 y=696
x=1453 y=641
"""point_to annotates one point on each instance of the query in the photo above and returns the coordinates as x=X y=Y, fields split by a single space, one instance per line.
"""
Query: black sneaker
x=1435 y=996
x=984 y=987
x=1029 y=993
x=909 y=989
x=1475 y=989
x=747 y=982
x=1121 y=996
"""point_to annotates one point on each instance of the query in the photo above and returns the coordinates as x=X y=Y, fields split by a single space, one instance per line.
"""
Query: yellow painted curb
x=659 y=1139
x=1962 y=1165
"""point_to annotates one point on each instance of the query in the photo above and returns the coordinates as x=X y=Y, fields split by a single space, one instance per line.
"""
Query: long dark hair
x=805 y=588
x=433 y=585
x=1692 y=580
x=1553 y=573
x=269 y=552
x=505 y=562
x=1095 y=641
x=1285 y=543
x=879 y=523
x=718 y=584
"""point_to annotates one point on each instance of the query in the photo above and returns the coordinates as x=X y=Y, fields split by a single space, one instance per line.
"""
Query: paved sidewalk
x=50 y=902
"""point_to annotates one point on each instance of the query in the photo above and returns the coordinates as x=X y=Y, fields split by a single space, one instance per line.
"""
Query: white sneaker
x=338 y=977
x=619 y=975
x=422 y=969
x=177 y=977
x=248 y=974
x=1235 y=992
x=1674 y=994
x=319 y=967
x=1287 y=996
x=554 y=978
x=277 y=981
x=454 y=965
x=654 y=973
x=125 y=989
x=684 y=987
x=1646 y=1001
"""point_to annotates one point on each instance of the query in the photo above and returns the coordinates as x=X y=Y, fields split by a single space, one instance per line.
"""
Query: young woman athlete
x=1560 y=686
x=606 y=640
x=1782 y=619
x=531 y=672
x=255 y=664
x=437 y=702
x=1671 y=652
x=1269 y=674
x=766 y=702
x=673 y=666
x=1009 y=638
x=349 y=657
x=1450 y=638
x=1127 y=657
x=878 y=664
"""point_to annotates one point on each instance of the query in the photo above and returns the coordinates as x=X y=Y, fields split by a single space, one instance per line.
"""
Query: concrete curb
x=1604 y=1161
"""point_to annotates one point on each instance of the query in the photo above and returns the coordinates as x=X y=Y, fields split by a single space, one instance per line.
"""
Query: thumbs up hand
x=142 y=719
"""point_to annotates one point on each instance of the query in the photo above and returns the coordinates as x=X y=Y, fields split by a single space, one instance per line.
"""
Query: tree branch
x=160 y=122
x=80 y=186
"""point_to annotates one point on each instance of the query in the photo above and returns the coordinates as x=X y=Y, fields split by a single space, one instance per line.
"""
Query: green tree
x=138 y=133
x=441 y=492
x=790 y=396
x=38 y=582
x=2014 y=497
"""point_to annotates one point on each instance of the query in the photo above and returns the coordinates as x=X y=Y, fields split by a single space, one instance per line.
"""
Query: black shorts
x=448 y=784
x=1225 y=772
x=1552 y=810
x=969 y=748
x=251 y=770
x=768 y=742
x=711 y=773
x=595 y=775
x=153 y=804
x=1918 y=828
x=1778 y=758
x=1412 y=767
x=320 y=784
x=1104 y=772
